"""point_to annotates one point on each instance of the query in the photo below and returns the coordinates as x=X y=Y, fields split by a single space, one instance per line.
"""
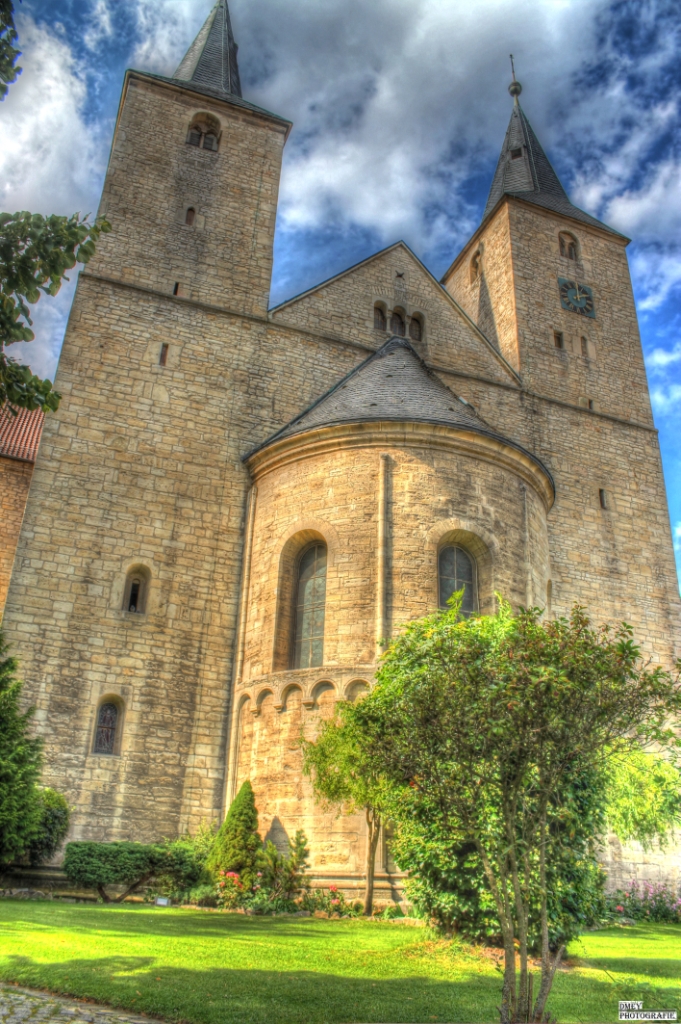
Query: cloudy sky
x=400 y=108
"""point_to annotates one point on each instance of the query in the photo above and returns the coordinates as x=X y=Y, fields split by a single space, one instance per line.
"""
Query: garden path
x=26 y=1006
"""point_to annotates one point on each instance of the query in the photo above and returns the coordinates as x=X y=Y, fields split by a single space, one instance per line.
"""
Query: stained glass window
x=106 y=729
x=457 y=570
x=308 y=647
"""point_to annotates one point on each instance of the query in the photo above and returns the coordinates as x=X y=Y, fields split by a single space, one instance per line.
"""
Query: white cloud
x=99 y=25
x=661 y=358
x=50 y=162
x=677 y=537
x=667 y=400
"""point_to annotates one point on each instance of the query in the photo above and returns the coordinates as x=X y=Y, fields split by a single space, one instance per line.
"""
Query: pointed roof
x=211 y=59
x=524 y=171
x=392 y=384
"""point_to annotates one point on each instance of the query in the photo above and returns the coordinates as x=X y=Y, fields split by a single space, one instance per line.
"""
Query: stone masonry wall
x=15 y=480
x=225 y=256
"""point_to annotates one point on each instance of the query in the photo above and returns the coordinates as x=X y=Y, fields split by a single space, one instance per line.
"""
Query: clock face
x=576 y=297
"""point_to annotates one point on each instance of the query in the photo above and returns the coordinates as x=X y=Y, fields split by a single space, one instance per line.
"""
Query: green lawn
x=207 y=968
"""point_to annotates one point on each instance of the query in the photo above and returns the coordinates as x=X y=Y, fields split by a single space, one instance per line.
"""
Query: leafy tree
x=8 y=52
x=341 y=774
x=35 y=253
x=20 y=764
x=238 y=841
x=96 y=865
x=51 y=826
x=483 y=723
x=447 y=879
x=644 y=796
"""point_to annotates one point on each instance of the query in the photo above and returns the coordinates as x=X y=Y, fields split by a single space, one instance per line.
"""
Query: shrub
x=330 y=900
x=237 y=844
x=229 y=891
x=282 y=876
x=646 y=901
x=51 y=826
x=96 y=865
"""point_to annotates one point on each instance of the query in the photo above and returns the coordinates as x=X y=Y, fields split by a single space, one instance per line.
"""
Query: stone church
x=236 y=504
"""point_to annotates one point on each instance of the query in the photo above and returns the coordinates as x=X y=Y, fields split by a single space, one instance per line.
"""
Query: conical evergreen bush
x=238 y=842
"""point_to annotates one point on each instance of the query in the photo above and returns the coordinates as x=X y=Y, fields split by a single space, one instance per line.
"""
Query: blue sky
x=399 y=111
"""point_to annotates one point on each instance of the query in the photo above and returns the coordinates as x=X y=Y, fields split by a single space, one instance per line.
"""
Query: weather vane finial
x=515 y=88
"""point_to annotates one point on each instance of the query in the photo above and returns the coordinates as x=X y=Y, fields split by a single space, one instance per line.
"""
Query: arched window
x=397 y=324
x=107 y=725
x=308 y=641
x=475 y=267
x=415 y=329
x=379 y=319
x=190 y=216
x=456 y=569
x=204 y=132
x=568 y=245
x=136 y=588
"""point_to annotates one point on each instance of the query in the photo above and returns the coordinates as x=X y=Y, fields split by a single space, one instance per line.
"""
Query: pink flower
x=621 y=909
x=334 y=902
x=333 y=888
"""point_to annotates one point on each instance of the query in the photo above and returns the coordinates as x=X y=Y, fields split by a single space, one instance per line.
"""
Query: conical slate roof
x=525 y=171
x=211 y=59
x=392 y=384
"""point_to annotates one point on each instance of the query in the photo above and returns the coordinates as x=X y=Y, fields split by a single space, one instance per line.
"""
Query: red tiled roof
x=20 y=434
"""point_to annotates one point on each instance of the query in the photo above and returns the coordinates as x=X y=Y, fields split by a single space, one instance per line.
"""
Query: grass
x=207 y=968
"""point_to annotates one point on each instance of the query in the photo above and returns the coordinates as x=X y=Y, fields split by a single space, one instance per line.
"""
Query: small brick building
x=235 y=504
x=20 y=432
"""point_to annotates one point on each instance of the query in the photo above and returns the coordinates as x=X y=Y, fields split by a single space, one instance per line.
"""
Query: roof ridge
x=405 y=399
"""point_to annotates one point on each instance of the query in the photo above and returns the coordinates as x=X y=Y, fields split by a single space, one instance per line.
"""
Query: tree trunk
x=104 y=894
x=499 y=891
x=373 y=831
x=548 y=967
x=135 y=885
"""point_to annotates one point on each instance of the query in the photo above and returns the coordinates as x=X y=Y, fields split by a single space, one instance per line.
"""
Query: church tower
x=549 y=285
x=123 y=601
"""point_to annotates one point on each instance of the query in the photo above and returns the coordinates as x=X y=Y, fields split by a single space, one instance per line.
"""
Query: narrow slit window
x=456 y=570
x=590 y=404
x=475 y=267
x=107 y=722
x=190 y=216
x=585 y=347
x=308 y=645
x=379 y=319
x=163 y=356
x=558 y=339
x=136 y=586
x=602 y=497
x=397 y=325
x=176 y=289
x=516 y=154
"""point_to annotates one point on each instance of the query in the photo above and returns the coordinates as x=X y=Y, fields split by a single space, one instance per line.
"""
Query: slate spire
x=524 y=170
x=211 y=59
